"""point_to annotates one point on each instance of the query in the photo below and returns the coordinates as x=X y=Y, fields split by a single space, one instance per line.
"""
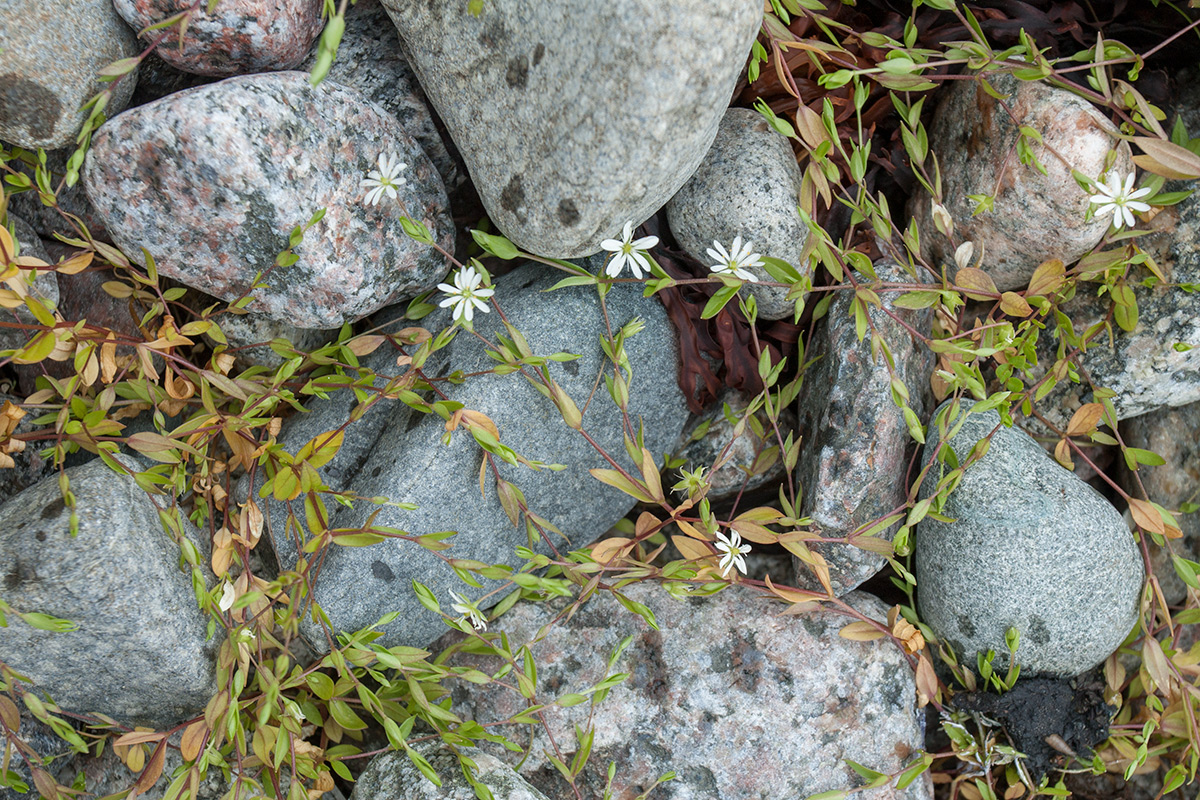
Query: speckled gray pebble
x=398 y=453
x=212 y=181
x=239 y=37
x=735 y=698
x=577 y=117
x=748 y=185
x=855 y=442
x=370 y=61
x=1031 y=547
x=49 y=56
x=44 y=286
x=1036 y=217
x=139 y=654
x=392 y=776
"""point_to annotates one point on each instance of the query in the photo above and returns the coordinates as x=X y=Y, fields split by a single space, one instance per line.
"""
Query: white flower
x=228 y=595
x=468 y=611
x=1119 y=200
x=736 y=263
x=293 y=710
x=384 y=180
x=465 y=295
x=734 y=551
x=628 y=252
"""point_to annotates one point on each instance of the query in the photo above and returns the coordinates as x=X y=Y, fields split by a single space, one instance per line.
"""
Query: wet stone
x=748 y=185
x=737 y=699
x=393 y=776
x=239 y=37
x=139 y=653
x=1031 y=547
x=49 y=56
x=574 y=119
x=212 y=180
x=1035 y=217
x=855 y=442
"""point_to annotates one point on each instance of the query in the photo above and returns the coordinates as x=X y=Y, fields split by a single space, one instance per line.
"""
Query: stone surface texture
x=1174 y=434
x=577 y=117
x=855 y=442
x=43 y=285
x=49 y=56
x=392 y=776
x=239 y=37
x=1032 y=547
x=1142 y=366
x=243 y=330
x=213 y=180
x=139 y=653
x=731 y=476
x=370 y=61
x=1036 y=217
x=398 y=453
x=738 y=699
x=748 y=185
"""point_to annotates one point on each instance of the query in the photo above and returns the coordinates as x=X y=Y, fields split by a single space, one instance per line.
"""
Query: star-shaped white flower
x=735 y=263
x=469 y=611
x=735 y=552
x=1119 y=199
x=384 y=180
x=628 y=251
x=465 y=295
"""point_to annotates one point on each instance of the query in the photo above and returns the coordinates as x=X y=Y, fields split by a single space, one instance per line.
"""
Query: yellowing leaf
x=1084 y=420
x=1167 y=158
x=754 y=532
x=1047 y=278
x=192 y=740
x=1155 y=662
x=691 y=549
x=861 y=632
x=76 y=263
x=976 y=284
x=1146 y=515
x=615 y=479
x=606 y=550
x=1014 y=305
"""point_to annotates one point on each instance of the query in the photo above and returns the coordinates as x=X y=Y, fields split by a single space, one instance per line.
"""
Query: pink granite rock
x=240 y=36
x=212 y=180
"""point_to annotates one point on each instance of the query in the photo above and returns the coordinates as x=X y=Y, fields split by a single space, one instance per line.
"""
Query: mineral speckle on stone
x=393 y=776
x=577 y=117
x=211 y=181
x=238 y=37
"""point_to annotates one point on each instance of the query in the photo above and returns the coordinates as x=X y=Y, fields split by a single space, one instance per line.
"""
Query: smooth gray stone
x=403 y=458
x=855 y=442
x=44 y=286
x=392 y=776
x=139 y=653
x=738 y=699
x=577 y=117
x=1032 y=547
x=49 y=56
x=748 y=185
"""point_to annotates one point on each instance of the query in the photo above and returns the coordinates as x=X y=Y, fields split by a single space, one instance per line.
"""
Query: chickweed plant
x=280 y=725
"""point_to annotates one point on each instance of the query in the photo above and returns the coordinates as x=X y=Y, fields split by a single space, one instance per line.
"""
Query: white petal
x=482 y=306
x=615 y=265
x=645 y=243
x=447 y=288
x=390 y=190
x=484 y=293
x=720 y=254
x=1105 y=209
x=1129 y=220
x=612 y=245
x=627 y=231
x=449 y=301
x=1128 y=187
x=637 y=263
x=1139 y=193
x=1137 y=205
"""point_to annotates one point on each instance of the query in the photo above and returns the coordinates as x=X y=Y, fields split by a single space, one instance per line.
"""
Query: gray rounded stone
x=50 y=54
x=44 y=286
x=1031 y=547
x=139 y=653
x=748 y=185
x=738 y=699
x=240 y=36
x=212 y=180
x=1035 y=217
x=392 y=776
x=577 y=117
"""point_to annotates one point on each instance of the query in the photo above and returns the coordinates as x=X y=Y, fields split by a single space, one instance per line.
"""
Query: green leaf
x=45 y=622
x=496 y=245
x=718 y=301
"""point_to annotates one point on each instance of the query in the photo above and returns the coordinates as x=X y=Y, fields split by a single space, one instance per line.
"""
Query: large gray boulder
x=736 y=698
x=577 y=117
x=50 y=54
x=1031 y=547
x=392 y=776
x=212 y=181
x=397 y=453
x=139 y=652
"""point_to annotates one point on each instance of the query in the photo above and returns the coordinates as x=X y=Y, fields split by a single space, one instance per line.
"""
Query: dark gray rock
x=575 y=118
x=213 y=180
x=1032 y=547
x=49 y=56
x=716 y=432
x=855 y=441
x=1036 y=217
x=399 y=453
x=748 y=185
x=392 y=776
x=370 y=61
x=239 y=37
x=139 y=653
x=41 y=284
x=1173 y=433
x=739 y=700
